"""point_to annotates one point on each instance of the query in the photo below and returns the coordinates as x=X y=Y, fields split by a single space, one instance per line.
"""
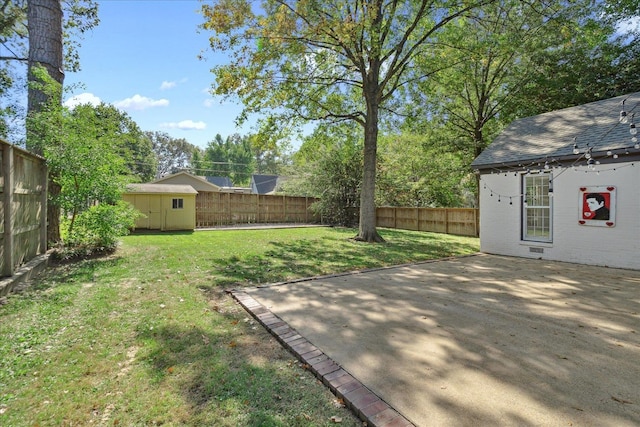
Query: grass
x=149 y=337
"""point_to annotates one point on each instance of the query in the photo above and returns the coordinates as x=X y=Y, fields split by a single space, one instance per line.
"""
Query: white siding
x=618 y=246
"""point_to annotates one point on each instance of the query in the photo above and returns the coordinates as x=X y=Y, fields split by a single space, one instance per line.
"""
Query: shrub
x=98 y=229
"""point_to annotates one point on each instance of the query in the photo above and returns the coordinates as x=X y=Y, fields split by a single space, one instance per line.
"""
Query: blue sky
x=143 y=58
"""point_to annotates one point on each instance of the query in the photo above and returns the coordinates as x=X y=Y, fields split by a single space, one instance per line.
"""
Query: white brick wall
x=619 y=246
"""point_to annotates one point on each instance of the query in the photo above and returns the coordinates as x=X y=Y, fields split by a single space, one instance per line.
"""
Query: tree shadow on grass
x=232 y=376
x=47 y=286
x=327 y=255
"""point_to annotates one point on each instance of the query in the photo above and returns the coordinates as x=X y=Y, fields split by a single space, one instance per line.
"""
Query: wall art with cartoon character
x=598 y=206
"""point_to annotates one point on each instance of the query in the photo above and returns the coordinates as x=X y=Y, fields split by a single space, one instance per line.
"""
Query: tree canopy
x=327 y=60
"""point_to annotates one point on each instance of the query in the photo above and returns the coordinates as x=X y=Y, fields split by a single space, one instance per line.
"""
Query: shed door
x=150 y=207
x=154 y=214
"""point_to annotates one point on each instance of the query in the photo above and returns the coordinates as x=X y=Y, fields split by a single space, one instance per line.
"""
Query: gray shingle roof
x=551 y=135
x=264 y=184
x=220 y=181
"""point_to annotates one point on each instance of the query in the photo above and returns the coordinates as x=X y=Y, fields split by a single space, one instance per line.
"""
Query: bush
x=97 y=229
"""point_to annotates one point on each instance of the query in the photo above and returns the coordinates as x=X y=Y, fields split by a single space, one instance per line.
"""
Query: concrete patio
x=481 y=340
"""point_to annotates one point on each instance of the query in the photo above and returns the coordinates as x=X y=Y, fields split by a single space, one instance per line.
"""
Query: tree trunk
x=367 y=231
x=44 y=19
x=53 y=221
x=478 y=144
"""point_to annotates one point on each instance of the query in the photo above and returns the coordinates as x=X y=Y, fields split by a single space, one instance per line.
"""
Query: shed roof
x=552 y=135
x=160 y=189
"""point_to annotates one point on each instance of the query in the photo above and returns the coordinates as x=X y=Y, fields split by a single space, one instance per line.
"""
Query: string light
x=592 y=159
x=623 y=114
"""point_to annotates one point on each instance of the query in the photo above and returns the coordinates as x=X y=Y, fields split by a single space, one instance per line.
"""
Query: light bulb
x=587 y=155
x=637 y=146
x=591 y=164
x=632 y=129
x=623 y=117
x=575 y=149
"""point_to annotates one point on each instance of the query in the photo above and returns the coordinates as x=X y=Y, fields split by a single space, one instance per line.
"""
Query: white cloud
x=185 y=125
x=208 y=103
x=83 y=98
x=167 y=85
x=138 y=102
x=170 y=85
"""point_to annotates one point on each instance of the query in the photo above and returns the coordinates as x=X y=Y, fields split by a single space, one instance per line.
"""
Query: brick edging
x=363 y=402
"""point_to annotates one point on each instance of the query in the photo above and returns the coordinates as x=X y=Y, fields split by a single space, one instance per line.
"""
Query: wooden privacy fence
x=461 y=221
x=214 y=209
x=23 y=189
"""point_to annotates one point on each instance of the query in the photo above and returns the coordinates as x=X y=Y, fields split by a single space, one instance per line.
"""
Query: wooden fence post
x=446 y=220
x=43 y=208
x=475 y=223
x=7 y=172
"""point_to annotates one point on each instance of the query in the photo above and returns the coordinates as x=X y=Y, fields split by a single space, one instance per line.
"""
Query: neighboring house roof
x=160 y=189
x=552 y=135
x=220 y=181
x=264 y=184
x=185 y=178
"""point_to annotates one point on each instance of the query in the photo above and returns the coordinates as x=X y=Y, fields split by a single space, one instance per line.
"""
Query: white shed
x=565 y=185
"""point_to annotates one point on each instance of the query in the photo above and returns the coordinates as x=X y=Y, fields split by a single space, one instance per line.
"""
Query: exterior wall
x=618 y=246
x=159 y=212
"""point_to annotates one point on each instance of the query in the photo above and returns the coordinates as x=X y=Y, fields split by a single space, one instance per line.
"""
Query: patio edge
x=364 y=403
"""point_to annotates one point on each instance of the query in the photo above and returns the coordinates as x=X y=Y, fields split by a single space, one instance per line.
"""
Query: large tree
x=44 y=18
x=40 y=33
x=328 y=60
x=172 y=154
x=230 y=157
x=514 y=58
x=12 y=18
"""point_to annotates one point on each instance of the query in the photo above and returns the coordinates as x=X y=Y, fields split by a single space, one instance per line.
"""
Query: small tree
x=86 y=165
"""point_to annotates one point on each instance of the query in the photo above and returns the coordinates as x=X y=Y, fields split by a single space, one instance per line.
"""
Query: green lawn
x=149 y=337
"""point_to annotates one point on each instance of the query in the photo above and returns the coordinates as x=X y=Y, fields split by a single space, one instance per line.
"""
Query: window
x=536 y=211
x=178 y=203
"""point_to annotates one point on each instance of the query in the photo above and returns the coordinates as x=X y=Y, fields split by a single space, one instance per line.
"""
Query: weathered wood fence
x=461 y=221
x=214 y=209
x=23 y=211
